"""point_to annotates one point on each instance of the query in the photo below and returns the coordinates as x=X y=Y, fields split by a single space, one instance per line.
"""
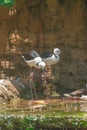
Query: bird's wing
x=46 y=55
x=34 y=54
x=27 y=57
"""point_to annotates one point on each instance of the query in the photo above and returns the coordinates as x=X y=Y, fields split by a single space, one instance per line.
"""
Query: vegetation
x=48 y=121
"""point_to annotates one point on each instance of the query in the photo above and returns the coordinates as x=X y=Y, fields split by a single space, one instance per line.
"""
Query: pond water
x=24 y=107
x=51 y=114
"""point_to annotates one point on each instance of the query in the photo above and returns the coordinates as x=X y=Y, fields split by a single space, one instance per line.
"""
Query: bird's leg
x=48 y=76
x=50 y=72
x=33 y=87
x=44 y=78
x=30 y=82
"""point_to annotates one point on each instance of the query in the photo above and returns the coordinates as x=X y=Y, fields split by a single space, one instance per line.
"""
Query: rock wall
x=50 y=24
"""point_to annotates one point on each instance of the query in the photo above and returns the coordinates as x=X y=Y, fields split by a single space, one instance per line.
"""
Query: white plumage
x=51 y=58
x=34 y=60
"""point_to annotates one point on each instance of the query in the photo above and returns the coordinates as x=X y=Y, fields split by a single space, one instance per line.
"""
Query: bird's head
x=38 y=60
x=42 y=65
x=57 y=51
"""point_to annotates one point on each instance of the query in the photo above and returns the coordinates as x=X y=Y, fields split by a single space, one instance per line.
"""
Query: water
x=24 y=107
x=45 y=108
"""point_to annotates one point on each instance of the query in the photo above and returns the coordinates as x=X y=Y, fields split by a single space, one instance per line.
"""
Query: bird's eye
x=58 y=51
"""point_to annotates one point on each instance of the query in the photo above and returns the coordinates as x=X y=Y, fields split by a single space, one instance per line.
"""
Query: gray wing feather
x=34 y=54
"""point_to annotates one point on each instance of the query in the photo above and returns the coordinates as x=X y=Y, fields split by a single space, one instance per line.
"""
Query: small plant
x=35 y=122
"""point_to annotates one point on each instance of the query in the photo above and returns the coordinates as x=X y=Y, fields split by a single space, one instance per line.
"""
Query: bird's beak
x=43 y=65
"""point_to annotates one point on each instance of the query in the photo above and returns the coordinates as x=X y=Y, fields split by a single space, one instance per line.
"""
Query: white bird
x=34 y=60
x=51 y=58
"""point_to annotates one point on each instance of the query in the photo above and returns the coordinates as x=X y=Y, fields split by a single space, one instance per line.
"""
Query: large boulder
x=10 y=89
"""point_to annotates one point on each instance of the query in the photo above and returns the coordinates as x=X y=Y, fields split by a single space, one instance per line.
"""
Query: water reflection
x=15 y=104
x=54 y=105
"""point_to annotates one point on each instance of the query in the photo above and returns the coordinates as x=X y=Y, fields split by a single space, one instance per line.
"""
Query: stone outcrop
x=10 y=89
x=44 y=25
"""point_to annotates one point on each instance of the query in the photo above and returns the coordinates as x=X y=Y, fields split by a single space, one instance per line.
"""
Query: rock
x=67 y=95
x=79 y=92
x=10 y=89
x=43 y=25
x=84 y=97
